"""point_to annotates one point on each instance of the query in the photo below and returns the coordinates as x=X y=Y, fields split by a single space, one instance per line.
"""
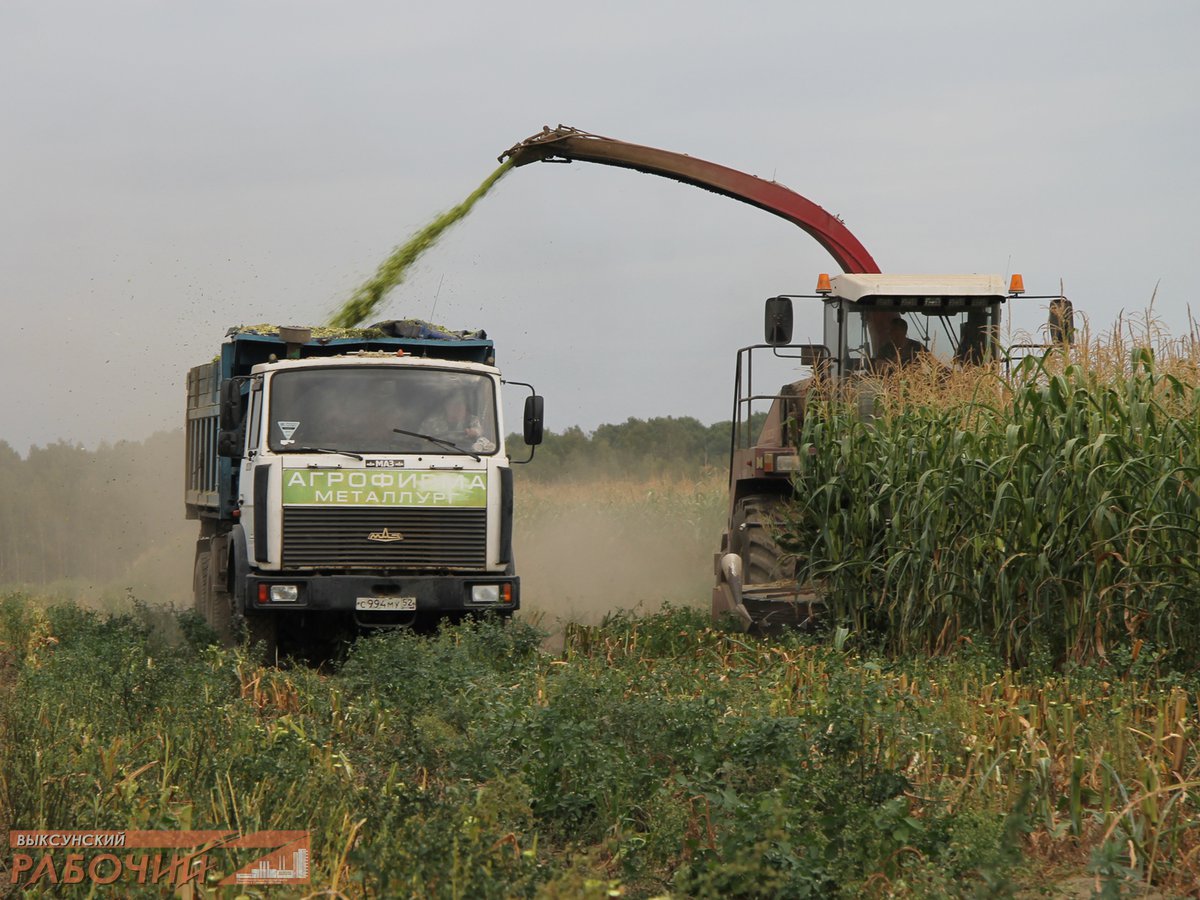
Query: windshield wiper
x=438 y=440
x=322 y=450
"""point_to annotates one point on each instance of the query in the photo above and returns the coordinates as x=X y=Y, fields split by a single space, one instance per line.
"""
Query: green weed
x=651 y=756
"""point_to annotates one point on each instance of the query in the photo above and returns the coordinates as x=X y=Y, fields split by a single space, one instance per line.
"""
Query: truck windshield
x=357 y=408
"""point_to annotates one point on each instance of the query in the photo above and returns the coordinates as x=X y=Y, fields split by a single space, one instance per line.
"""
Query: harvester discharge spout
x=756 y=585
x=566 y=144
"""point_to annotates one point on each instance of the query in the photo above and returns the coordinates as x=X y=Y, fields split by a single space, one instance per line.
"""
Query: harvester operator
x=898 y=350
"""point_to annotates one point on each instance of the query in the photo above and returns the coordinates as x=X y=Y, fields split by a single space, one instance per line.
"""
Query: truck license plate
x=386 y=604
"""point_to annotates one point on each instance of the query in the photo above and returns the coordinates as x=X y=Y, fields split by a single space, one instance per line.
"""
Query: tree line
x=635 y=448
x=71 y=512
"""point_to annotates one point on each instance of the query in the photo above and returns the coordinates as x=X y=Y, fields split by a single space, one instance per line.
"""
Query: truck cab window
x=358 y=408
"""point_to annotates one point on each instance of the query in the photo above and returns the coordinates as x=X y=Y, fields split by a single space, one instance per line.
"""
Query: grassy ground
x=650 y=756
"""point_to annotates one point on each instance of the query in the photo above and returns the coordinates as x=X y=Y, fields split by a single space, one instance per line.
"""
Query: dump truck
x=350 y=481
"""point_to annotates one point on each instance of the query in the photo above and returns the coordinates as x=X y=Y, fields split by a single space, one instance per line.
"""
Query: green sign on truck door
x=389 y=487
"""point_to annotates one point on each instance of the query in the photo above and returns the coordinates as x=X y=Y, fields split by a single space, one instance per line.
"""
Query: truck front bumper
x=369 y=594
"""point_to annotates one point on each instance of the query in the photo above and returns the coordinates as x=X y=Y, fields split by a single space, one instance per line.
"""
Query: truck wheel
x=211 y=601
x=263 y=631
x=222 y=615
x=764 y=561
x=200 y=588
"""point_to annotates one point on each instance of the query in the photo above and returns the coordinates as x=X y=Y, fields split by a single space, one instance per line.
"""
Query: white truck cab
x=371 y=486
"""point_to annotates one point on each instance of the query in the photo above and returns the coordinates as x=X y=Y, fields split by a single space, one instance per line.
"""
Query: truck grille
x=339 y=536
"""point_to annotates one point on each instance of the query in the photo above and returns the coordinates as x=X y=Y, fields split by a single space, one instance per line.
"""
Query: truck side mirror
x=533 y=420
x=233 y=405
x=778 y=321
x=229 y=443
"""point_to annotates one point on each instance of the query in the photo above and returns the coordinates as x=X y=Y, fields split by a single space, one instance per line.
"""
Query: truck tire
x=211 y=601
x=222 y=615
x=253 y=627
x=261 y=632
x=200 y=588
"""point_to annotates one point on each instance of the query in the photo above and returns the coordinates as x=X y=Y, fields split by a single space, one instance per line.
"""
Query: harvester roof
x=868 y=288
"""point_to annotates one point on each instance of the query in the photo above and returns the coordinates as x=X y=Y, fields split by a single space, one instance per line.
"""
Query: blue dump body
x=209 y=483
x=246 y=349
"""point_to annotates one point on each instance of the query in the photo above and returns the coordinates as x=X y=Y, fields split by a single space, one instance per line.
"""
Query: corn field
x=1054 y=509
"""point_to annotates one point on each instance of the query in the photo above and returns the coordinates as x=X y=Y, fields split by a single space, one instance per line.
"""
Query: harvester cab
x=870 y=325
x=954 y=319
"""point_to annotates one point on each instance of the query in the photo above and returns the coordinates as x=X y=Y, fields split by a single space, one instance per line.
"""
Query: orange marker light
x=1016 y=285
x=823 y=285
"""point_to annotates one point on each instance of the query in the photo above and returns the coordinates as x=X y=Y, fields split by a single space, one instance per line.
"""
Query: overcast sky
x=173 y=168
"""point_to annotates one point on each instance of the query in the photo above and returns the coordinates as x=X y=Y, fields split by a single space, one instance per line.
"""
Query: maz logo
x=385 y=536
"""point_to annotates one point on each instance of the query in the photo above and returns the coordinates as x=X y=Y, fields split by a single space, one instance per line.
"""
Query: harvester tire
x=753 y=520
x=764 y=562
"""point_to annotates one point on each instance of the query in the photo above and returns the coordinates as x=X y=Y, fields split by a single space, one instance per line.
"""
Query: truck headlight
x=285 y=593
x=485 y=593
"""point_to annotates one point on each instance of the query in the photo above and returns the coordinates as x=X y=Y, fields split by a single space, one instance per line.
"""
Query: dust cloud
x=106 y=527
x=162 y=573
x=100 y=527
x=587 y=551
